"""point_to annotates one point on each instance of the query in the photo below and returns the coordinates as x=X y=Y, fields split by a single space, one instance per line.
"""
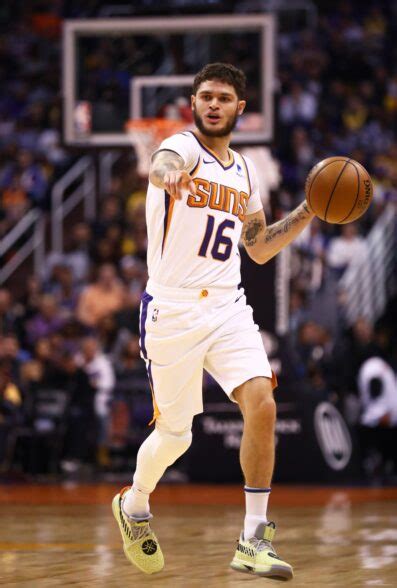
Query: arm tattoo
x=251 y=232
x=284 y=226
x=163 y=162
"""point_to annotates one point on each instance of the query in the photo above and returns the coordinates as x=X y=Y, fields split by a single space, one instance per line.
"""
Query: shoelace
x=139 y=533
x=262 y=544
x=134 y=533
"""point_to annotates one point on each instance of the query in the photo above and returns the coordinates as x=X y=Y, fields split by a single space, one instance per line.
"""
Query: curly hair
x=224 y=72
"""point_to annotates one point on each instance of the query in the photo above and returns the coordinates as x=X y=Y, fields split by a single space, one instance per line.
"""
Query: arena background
x=74 y=398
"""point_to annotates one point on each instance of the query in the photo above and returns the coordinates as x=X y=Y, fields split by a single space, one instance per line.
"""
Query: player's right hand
x=176 y=181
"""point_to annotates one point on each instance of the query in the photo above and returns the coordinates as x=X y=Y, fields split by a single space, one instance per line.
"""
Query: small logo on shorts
x=155 y=314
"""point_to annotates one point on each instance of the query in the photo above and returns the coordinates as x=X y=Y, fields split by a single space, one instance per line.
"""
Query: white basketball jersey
x=193 y=242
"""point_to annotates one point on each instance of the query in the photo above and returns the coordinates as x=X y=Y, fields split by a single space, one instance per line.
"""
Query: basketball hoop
x=147 y=134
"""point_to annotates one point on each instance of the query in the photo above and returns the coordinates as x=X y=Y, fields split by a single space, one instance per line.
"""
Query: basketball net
x=147 y=134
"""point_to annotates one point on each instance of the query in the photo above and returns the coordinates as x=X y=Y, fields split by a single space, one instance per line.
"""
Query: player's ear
x=192 y=101
x=241 y=106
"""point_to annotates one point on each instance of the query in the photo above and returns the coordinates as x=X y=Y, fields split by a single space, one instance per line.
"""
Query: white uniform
x=193 y=314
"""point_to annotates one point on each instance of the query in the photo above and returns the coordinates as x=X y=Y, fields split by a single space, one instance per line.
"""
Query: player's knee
x=177 y=438
x=266 y=409
x=183 y=439
x=263 y=412
x=253 y=393
x=257 y=402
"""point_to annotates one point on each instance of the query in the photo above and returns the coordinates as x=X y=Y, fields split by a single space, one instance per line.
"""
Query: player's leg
x=160 y=450
x=255 y=551
x=256 y=402
x=237 y=360
x=131 y=506
x=175 y=371
x=258 y=407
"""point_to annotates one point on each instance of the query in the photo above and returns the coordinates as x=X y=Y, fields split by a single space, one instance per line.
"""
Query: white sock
x=256 y=500
x=136 y=502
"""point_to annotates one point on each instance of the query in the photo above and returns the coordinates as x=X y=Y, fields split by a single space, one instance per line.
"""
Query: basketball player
x=202 y=197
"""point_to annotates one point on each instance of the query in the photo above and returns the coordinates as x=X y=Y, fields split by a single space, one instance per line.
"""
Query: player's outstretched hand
x=176 y=181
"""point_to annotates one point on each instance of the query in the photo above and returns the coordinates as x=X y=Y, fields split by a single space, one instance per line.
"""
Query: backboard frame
x=72 y=29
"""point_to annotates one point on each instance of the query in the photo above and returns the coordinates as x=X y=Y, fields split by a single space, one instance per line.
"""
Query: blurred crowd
x=75 y=327
x=31 y=154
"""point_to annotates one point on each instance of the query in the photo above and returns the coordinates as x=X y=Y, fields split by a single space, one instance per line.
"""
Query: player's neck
x=219 y=145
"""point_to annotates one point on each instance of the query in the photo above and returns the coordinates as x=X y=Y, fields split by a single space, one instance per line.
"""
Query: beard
x=227 y=129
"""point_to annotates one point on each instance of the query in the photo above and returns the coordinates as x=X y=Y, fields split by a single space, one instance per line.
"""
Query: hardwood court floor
x=58 y=537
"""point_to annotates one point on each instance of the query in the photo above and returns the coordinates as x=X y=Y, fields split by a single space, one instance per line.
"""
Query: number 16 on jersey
x=219 y=241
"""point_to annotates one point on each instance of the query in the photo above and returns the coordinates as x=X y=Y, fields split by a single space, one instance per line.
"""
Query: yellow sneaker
x=257 y=555
x=140 y=544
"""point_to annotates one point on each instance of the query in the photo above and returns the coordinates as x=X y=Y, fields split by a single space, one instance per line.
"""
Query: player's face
x=216 y=108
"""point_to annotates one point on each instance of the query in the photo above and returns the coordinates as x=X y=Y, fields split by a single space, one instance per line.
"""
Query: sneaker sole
x=275 y=572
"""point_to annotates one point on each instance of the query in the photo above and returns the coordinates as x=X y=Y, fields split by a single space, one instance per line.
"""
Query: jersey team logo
x=219 y=197
x=239 y=171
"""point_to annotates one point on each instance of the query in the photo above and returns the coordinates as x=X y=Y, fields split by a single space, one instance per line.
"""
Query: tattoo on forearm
x=285 y=225
x=164 y=162
x=251 y=232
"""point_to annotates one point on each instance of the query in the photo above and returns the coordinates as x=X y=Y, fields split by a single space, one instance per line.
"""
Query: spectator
x=377 y=387
x=311 y=245
x=25 y=176
x=298 y=106
x=11 y=352
x=356 y=345
x=127 y=318
x=7 y=316
x=101 y=376
x=82 y=428
x=31 y=297
x=77 y=252
x=347 y=249
x=14 y=199
x=49 y=142
x=297 y=310
x=47 y=320
x=109 y=215
x=134 y=274
x=130 y=368
x=355 y=114
x=103 y=297
x=315 y=351
x=132 y=409
x=76 y=256
x=10 y=407
x=64 y=290
x=378 y=396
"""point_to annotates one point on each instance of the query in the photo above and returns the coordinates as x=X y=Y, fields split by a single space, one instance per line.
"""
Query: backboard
x=118 y=70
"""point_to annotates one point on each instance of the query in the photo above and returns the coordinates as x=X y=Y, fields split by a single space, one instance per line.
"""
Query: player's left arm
x=264 y=242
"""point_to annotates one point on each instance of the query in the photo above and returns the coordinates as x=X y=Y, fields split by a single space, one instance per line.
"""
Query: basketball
x=338 y=190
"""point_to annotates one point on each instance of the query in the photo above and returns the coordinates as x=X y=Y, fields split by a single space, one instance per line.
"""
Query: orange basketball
x=338 y=190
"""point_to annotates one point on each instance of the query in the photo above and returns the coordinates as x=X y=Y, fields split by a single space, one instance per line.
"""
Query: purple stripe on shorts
x=146 y=298
x=150 y=375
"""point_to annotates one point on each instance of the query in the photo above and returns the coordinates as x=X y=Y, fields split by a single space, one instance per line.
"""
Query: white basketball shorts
x=184 y=331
